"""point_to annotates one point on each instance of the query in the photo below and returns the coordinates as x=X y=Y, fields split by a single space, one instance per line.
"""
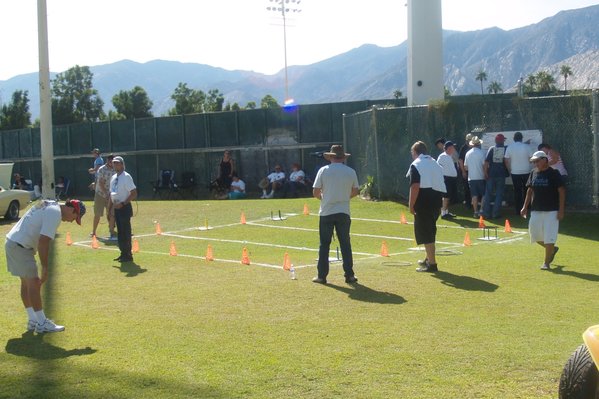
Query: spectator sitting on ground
x=20 y=183
x=237 y=190
x=297 y=180
x=276 y=180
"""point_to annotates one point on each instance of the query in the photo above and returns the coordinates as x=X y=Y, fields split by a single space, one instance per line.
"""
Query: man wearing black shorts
x=426 y=190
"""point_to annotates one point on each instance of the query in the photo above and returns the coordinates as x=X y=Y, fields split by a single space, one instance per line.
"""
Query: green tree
x=251 y=105
x=74 y=98
x=214 y=101
x=565 y=71
x=494 y=87
x=269 y=102
x=134 y=103
x=187 y=101
x=16 y=115
x=482 y=76
x=545 y=81
x=397 y=94
x=530 y=84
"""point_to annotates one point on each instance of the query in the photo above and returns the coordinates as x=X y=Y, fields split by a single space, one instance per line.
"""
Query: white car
x=11 y=201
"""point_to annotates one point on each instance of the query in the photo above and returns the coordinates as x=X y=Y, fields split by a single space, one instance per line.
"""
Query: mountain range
x=369 y=72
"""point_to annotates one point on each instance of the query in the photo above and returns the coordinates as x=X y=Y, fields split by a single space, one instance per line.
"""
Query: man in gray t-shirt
x=335 y=185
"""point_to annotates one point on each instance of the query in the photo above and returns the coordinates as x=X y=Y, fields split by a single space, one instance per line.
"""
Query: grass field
x=490 y=324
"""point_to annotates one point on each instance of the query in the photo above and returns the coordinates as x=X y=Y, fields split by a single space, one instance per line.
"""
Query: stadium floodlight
x=284 y=7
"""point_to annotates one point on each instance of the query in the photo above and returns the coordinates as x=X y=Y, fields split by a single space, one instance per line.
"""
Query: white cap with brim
x=538 y=155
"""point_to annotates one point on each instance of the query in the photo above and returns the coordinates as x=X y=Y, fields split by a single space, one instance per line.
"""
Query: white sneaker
x=545 y=267
x=48 y=326
x=31 y=325
x=263 y=196
x=271 y=195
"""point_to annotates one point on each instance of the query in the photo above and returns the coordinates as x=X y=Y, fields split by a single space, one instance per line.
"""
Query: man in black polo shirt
x=546 y=194
x=426 y=189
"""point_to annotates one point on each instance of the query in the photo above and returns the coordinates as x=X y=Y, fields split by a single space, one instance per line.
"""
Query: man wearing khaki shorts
x=547 y=196
x=102 y=197
x=32 y=234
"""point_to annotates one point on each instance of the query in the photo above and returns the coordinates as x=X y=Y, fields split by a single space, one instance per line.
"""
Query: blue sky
x=232 y=34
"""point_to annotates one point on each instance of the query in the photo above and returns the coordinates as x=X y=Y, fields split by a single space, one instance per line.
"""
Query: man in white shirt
x=335 y=185
x=517 y=160
x=450 y=176
x=122 y=192
x=33 y=233
x=237 y=189
x=276 y=180
x=297 y=181
x=102 y=197
x=474 y=165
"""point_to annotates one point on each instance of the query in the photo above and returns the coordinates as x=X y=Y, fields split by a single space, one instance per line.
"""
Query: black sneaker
x=319 y=280
x=118 y=259
x=428 y=268
x=555 y=249
x=124 y=259
x=351 y=280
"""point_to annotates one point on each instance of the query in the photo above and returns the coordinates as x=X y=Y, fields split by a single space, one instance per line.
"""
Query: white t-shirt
x=42 y=219
x=297 y=176
x=275 y=176
x=475 y=158
x=239 y=184
x=120 y=187
x=336 y=182
x=446 y=162
x=519 y=155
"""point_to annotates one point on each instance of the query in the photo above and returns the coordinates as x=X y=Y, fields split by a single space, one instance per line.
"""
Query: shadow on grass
x=464 y=282
x=362 y=293
x=131 y=269
x=33 y=346
x=571 y=273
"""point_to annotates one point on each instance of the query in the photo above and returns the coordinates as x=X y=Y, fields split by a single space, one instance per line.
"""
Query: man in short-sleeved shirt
x=335 y=185
x=546 y=195
x=474 y=165
x=517 y=160
x=495 y=174
x=426 y=189
x=32 y=234
x=122 y=192
x=102 y=197
x=450 y=176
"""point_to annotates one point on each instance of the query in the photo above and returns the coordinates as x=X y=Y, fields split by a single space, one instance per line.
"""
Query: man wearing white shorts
x=546 y=194
x=32 y=234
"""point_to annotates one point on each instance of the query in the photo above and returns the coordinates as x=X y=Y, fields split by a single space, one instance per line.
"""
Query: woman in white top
x=555 y=160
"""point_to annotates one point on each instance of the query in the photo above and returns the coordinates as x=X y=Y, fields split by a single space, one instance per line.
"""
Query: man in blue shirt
x=495 y=174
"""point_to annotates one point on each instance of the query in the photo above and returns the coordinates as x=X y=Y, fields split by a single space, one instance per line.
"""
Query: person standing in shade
x=335 y=185
x=546 y=195
x=495 y=174
x=32 y=234
x=464 y=173
x=474 y=166
x=122 y=192
x=226 y=168
x=450 y=176
x=517 y=161
x=426 y=190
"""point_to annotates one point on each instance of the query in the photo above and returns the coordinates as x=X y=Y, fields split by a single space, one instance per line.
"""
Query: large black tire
x=12 y=213
x=580 y=378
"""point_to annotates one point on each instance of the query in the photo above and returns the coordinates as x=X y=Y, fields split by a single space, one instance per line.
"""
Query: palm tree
x=545 y=82
x=482 y=76
x=494 y=87
x=565 y=71
x=530 y=84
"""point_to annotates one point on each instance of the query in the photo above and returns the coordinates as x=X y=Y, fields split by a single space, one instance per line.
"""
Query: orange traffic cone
x=245 y=257
x=508 y=228
x=467 y=241
x=95 y=244
x=242 y=221
x=158 y=229
x=481 y=222
x=209 y=255
x=135 y=246
x=69 y=240
x=286 y=262
x=173 y=250
x=384 y=249
x=403 y=220
x=306 y=210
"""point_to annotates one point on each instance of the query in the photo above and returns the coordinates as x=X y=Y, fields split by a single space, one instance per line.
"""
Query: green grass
x=490 y=324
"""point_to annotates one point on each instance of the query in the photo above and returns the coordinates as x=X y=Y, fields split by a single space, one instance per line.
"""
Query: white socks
x=31 y=314
x=40 y=316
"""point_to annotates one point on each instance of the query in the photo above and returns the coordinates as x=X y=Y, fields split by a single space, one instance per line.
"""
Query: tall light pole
x=284 y=7
x=47 y=146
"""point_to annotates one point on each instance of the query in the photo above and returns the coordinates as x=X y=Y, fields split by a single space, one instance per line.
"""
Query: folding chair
x=165 y=184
